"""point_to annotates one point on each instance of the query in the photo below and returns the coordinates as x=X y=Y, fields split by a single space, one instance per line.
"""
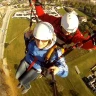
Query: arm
x=60 y=68
x=63 y=68
x=44 y=16
x=83 y=42
x=79 y=37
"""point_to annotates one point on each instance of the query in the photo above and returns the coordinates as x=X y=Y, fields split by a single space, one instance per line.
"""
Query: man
x=66 y=27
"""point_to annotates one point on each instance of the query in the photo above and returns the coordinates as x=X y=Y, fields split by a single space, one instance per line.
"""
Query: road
x=3 y=31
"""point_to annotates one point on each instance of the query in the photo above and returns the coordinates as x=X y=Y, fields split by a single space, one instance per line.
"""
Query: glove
x=38 y=3
x=55 y=69
x=45 y=72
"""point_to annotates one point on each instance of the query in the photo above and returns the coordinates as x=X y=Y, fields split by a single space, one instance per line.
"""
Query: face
x=41 y=43
x=65 y=32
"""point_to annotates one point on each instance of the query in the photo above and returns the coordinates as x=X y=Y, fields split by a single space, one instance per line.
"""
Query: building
x=82 y=19
x=27 y=14
x=93 y=1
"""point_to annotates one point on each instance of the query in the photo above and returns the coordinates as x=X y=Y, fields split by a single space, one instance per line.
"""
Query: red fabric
x=39 y=10
x=88 y=45
x=56 y=22
x=30 y=2
x=78 y=37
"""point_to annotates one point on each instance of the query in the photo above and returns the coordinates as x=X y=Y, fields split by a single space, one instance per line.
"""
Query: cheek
x=46 y=44
x=66 y=33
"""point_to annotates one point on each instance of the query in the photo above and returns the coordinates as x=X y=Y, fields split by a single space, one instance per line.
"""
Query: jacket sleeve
x=44 y=16
x=85 y=43
x=61 y=64
x=78 y=37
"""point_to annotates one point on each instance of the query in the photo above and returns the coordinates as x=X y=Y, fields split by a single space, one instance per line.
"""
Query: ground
x=7 y=87
x=6 y=83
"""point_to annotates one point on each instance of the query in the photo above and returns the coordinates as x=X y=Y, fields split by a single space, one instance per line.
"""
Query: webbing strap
x=32 y=64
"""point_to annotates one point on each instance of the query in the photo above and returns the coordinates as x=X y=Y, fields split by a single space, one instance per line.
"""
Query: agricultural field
x=73 y=85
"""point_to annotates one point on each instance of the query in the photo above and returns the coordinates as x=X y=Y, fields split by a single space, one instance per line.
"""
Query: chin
x=40 y=47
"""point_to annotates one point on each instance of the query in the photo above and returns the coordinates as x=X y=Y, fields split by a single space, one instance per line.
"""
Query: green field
x=70 y=86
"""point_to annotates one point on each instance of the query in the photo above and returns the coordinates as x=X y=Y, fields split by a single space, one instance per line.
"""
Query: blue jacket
x=40 y=54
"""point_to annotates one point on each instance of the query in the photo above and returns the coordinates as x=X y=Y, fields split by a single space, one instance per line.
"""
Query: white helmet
x=70 y=22
x=43 y=31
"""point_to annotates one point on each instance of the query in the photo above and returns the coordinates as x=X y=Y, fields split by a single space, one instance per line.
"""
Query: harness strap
x=32 y=64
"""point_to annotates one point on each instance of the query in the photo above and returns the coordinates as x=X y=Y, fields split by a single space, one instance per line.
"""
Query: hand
x=38 y=2
x=55 y=69
x=28 y=34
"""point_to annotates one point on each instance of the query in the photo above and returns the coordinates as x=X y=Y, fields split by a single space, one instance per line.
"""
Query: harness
x=47 y=61
x=50 y=52
x=32 y=64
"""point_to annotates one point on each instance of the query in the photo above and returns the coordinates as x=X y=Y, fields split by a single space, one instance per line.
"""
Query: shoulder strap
x=51 y=52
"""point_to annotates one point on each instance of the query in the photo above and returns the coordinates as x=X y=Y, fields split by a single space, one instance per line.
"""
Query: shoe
x=19 y=86
x=25 y=90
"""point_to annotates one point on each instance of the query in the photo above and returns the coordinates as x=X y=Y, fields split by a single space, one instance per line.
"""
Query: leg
x=21 y=69
x=27 y=78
